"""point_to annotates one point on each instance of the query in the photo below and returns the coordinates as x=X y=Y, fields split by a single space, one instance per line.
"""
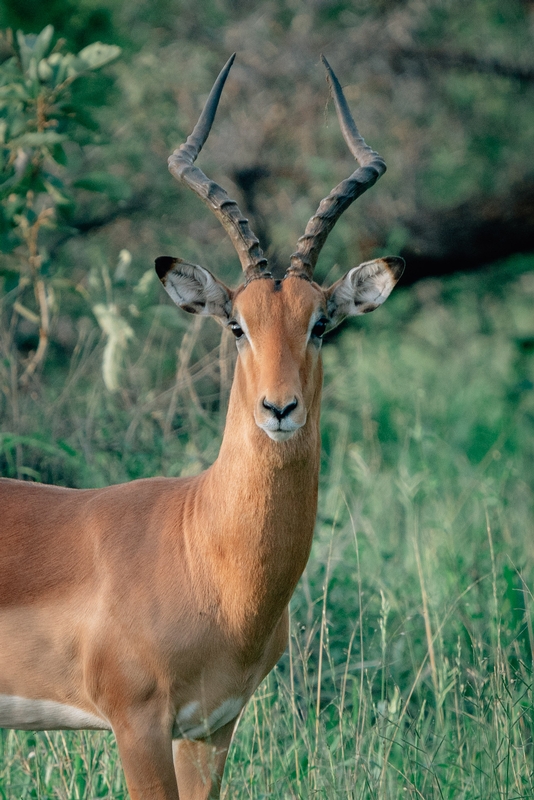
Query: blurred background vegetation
x=410 y=671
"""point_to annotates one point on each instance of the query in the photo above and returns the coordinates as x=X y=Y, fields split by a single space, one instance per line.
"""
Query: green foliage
x=37 y=120
x=80 y=22
x=410 y=667
x=111 y=185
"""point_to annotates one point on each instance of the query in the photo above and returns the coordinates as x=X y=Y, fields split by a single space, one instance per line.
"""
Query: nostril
x=289 y=408
x=278 y=412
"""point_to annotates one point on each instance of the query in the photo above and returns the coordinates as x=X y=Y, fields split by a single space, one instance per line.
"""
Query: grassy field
x=409 y=673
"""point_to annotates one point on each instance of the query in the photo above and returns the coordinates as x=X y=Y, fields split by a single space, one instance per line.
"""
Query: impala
x=155 y=608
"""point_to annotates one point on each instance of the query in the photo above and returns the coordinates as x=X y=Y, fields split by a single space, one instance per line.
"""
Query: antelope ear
x=194 y=288
x=364 y=288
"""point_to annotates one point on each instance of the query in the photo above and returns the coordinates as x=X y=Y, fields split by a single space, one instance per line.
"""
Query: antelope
x=155 y=608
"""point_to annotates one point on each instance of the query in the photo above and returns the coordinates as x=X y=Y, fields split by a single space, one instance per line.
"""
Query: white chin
x=279 y=436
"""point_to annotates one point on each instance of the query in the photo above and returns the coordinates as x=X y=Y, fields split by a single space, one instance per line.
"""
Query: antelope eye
x=319 y=327
x=236 y=330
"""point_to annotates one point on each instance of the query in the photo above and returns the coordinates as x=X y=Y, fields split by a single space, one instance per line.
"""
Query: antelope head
x=278 y=324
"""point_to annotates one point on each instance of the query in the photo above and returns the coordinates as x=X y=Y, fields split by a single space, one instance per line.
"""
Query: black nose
x=280 y=413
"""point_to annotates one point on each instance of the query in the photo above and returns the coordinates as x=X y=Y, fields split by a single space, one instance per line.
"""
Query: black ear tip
x=396 y=266
x=163 y=265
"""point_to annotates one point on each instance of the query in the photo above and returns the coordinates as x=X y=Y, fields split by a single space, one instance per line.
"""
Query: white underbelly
x=42 y=715
x=190 y=723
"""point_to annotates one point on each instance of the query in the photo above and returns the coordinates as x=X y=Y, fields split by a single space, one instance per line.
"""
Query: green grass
x=410 y=668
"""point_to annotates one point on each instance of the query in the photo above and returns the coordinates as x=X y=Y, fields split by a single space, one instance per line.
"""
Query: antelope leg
x=145 y=748
x=200 y=764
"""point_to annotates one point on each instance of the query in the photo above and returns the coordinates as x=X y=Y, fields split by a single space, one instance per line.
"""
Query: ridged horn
x=372 y=166
x=181 y=165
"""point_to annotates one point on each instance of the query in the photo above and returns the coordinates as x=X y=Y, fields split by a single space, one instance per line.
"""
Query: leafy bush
x=38 y=119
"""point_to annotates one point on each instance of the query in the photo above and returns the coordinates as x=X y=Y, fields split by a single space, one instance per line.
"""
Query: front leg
x=200 y=764
x=144 y=740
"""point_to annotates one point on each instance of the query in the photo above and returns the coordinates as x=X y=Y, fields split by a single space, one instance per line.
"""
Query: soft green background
x=410 y=667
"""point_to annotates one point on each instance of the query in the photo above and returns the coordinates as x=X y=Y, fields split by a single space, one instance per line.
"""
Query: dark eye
x=319 y=327
x=236 y=330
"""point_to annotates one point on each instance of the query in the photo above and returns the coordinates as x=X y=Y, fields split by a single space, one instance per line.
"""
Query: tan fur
x=132 y=601
x=157 y=607
x=160 y=605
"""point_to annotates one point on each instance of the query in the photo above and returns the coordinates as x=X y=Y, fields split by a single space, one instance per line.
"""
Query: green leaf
x=25 y=48
x=58 y=64
x=10 y=440
x=6 y=50
x=97 y=54
x=44 y=70
x=7 y=272
x=32 y=72
x=33 y=47
x=38 y=139
x=70 y=67
x=42 y=43
x=11 y=92
x=32 y=473
x=67 y=448
x=114 y=187
x=79 y=114
x=59 y=155
x=56 y=194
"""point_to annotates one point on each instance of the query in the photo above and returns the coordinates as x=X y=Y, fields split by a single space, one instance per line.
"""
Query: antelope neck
x=259 y=539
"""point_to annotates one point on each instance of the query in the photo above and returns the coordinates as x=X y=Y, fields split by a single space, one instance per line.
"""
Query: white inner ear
x=196 y=290
x=363 y=289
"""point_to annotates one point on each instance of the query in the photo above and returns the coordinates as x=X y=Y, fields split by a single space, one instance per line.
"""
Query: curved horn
x=372 y=166
x=181 y=166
